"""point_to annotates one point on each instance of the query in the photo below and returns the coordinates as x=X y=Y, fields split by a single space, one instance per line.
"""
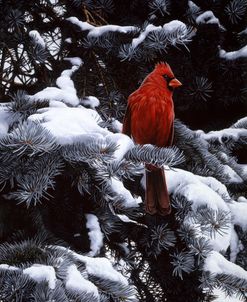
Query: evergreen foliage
x=72 y=189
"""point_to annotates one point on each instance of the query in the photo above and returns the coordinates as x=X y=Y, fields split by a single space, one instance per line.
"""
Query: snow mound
x=39 y=273
x=65 y=92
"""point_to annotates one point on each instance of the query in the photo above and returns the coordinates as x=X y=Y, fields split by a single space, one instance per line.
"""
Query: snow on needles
x=70 y=125
x=65 y=91
x=76 y=283
x=233 y=55
x=5 y=121
x=102 y=268
x=96 y=31
x=207 y=191
x=168 y=28
x=95 y=234
x=202 y=191
x=39 y=273
x=217 y=264
x=35 y=35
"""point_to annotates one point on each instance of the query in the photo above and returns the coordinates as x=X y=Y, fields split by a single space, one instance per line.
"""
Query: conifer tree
x=72 y=221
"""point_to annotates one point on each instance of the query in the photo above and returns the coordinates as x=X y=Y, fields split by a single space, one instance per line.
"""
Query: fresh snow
x=90 y=101
x=35 y=35
x=230 y=133
x=95 y=234
x=235 y=245
x=65 y=92
x=76 y=283
x=5 y=121
x=233 y=55
x=207 y=17
x=218 y=264
x=143 y=35
x=118 y=187
x=222 y=297
x=8 y=267
x=97 y=31
x=74 y=60
x=174 y=25
x=167 y=27
x=102 y=268
x=116 y=126
x=123 y=142
x=39 y=273
x=207 y=191
x=70 y=125
x=201 y=191
x=239 y=211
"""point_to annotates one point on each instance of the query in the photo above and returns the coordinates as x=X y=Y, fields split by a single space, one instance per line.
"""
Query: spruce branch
x=91 y=151
x=212 y=221
x=182 y=206
x=125 y=169
x=200 y=247
x=21 y=106
x=162 y=238
x=116 y=290
x=28 y=139
x=156 y=156
x=43 y=292
x=14 y=286
x=160 y=6
x=236 y=10
x=183 y=262
x=200 y=89
x=35 y=183
x=187 y=233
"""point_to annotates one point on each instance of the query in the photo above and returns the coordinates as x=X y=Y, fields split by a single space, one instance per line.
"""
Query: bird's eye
x=165 y=76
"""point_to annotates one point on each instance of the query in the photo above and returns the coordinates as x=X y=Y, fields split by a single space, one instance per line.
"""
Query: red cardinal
x=149 y=119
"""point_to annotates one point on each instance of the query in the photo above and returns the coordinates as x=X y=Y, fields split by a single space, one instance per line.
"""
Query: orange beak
x=175 y=83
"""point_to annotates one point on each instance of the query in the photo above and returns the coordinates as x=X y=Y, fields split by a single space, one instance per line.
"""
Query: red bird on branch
x=149 y=119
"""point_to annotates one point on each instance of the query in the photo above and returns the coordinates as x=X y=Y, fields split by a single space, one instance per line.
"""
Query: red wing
x=127 y=122
x=171 y=136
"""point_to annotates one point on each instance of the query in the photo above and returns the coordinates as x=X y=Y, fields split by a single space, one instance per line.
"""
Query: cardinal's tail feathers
x=157 y=197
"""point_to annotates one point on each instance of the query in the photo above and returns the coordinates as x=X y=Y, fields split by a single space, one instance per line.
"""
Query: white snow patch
x=220 y=135
x=168 y=28
x=118 y=187
x=76 y=283
x=239 y=212
x=102 y=267
x=207 y=17
x=91 y=101
x=57 y=104
x=222 y=297
x=174 y=25
x=65 y=93
x=233 y=55
x=233 y=176
x=143 y=35
x=5 y=121
x=218 y=264
x=40 y=273
x=123 y=142
x=201 y=191
x=97 y=31
x=240 y=123
x=8 y=267
x=95 y=234
x=234 y=246
x=70 y=125
x=35 y=35
x=117 y=126
x=74 y=60
x=68 y=40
